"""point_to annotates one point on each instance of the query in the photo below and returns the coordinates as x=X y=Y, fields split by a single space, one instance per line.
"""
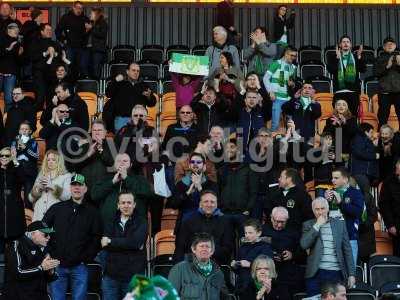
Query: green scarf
x=305 y=102
x=204 y=268
x=346 y=74
x=257 y=284
x=259 y=67
x=341 y=191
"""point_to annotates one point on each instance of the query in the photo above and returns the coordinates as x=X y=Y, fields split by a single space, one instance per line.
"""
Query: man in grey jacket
x=260 y=52
x=198 y=277
x=330 y=257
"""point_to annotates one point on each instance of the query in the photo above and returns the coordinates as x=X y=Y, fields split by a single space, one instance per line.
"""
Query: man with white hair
x=220 y=45
x=330 y=256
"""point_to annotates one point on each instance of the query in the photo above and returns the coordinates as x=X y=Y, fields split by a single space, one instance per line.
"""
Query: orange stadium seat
x=2 y=103
x=168 y=219
x=91 y=101
x=322 y=122
x=42 y=149
x=371 y=119
x=325 y=99
x=38 y=125
x=164 y=242
x=168 y=107
x=153 y=112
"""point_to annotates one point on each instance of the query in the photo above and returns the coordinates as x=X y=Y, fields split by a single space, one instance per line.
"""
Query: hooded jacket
x=214 y=52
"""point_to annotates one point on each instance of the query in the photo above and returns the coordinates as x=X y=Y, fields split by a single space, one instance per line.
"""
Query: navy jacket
x=363 y=157
x=251 y=122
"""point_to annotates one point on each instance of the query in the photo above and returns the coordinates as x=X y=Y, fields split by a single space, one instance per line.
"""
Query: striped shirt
x=277 y=76
x=329 y=259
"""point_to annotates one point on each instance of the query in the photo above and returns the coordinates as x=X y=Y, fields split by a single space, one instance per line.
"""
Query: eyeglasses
x=265 y=269
x=279 y=221
x=263 y=135
x=63 y=111
x=5 y=155
x=196 y=162
x=186 y=112
x=138 y=116
x=16 y=94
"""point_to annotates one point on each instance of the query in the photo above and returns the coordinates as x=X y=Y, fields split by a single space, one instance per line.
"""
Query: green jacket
x=192 y=285
x=238 y=188
x=105 y=193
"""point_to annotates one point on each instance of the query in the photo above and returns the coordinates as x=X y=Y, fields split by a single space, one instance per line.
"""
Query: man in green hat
x=29 y=266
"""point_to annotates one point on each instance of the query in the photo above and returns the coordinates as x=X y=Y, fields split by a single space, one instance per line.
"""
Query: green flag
x=189 y=64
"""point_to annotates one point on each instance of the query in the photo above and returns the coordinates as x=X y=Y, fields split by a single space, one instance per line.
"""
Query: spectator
x=220 y=45
x=227 y=79
x=345 y=68
x=2 y=131
x=133 y=130
x=76 y=242
x=21 y=109
x=364 y=154
x=77 y=107
x=330 y=257
x=292 y=195
x=11 y=204
x=45 y=54
x=30 y=30
x=51 y=186
x=60 y=74
x=208 y=218
x=389 y=206
x=209 y=107
x=185 y=87
x=282 y=23
x=287 y=255
x=238 y=190
x=6 y=11
x=72 y=31
x=10 y=51
x=127 y=92
x=198 y=277
x=186 y=196
x=333 y=291
x=60 y=122
x=97 y=43
x=389 y=150
x=342 y=126
x=251 y=247
x=125 y=242
x=264 y=284
x=323 y=169
x=182 y=136
x=25 y=151
x=387 y=69
x=348 y=201
x=278 y=79
x=260 y=53
x=217 y=140
x=105 y=192
x=29 y=266
x=304 y=111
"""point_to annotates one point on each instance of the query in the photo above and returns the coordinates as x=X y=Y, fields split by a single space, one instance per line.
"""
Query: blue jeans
x=276 y=113
x=313 y=285
x=78 y=276
x=354 y=250
x=113 y=289
x=7 y=84
x=120 y=122
x=79 y=57
x=97 y=60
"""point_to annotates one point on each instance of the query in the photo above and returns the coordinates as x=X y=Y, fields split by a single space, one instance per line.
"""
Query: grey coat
x=191 y=284
x=267 y=51
x=214 y=52
x=311 y=240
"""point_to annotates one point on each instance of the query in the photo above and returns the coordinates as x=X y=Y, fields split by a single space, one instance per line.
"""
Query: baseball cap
x=12 y=25
x=78 y=178
x=389 y=40
x=41 y=226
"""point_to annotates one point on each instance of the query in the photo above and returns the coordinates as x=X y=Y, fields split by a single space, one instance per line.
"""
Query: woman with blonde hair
x=345 y=124
x=51 y=186
x=264 y=285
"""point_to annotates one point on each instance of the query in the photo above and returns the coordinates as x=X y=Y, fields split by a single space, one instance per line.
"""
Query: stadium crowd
x=271 y=188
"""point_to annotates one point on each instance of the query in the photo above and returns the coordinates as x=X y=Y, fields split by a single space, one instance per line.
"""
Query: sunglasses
x=5 y=155
x=138 y=116
x=196 y=162
x=186 y=112
x=63 y=111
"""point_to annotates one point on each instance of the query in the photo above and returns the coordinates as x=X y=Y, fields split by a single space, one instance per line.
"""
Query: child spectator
x=25 y=152
x=251 y=247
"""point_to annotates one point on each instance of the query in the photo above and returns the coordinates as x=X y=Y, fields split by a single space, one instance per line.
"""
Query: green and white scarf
x=346 y=70
x=305 y=102
x=204 y=268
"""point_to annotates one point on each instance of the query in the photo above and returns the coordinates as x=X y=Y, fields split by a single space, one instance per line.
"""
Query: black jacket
x=30 y=31
x=387 y=160
x=217 y=225
x=389 y=202
x=277 y=292
x=389 y=79
x=98 y=35
x=51 y=132
x=125 y=95
x=40 y=46
x=126 y=254
x=297 y=201
x=208 y=117
x=20 y=111
x=9 y=59
x=363 y=157
x=348 y=132
x=78 y=111
x=176 y=130
x=71 y=30
x=12 y=216
x=5 y=22
x=279 y=25
x=25 y=280
x=78 y=231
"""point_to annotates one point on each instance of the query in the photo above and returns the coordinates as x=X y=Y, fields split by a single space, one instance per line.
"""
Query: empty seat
x=167 y=87
x=329 y=53
x=116 y=69
x=199 y=50
x=359 y=274
x=162 y=264
x=391 y=287
x=154 y=85
x=325 y=99
x=42 y=149
x=168 y=219
x=91 y=101
x=383 y=269
x=176 y=49
x=123 y=54
x=165 y=72
x=149 y=71
x=87 y=85
x=322 y=84
x=310 y=53
x=371 y=86
x=168 y=105
x=153 y=53
x=369 y=72
x=361 y=291
x=164 y=242
x=312 y=69
x=370 y=119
